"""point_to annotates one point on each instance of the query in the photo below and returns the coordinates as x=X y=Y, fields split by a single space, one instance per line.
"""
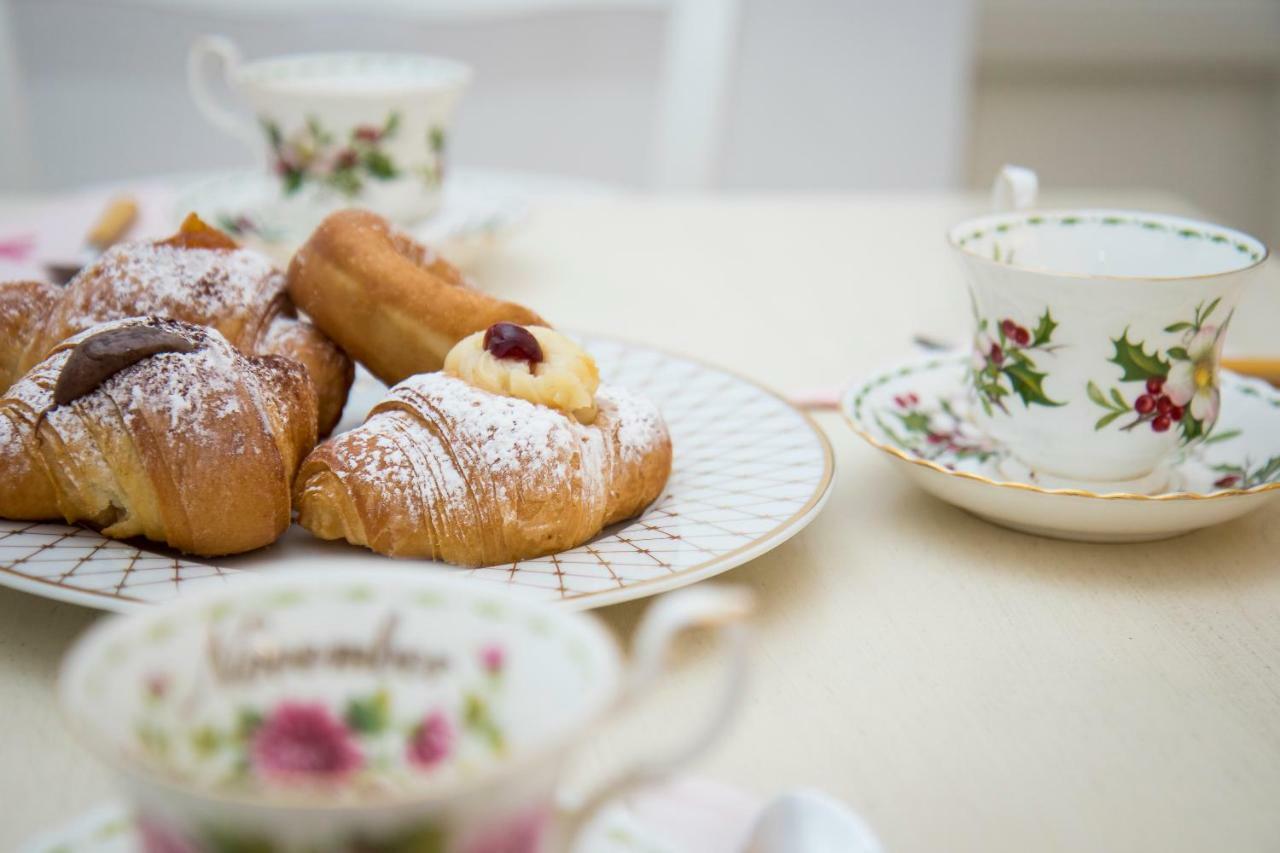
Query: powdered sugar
x=640 y=427
x=196 y=394
x=517 y=442
x=196 y=284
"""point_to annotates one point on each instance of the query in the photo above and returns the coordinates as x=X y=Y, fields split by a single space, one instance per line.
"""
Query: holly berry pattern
x=1246 y=476
x=937 y=433
x=1004 y=362
x=1180 y=385
x=313 y=154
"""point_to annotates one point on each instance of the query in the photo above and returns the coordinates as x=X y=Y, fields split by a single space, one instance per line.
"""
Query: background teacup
x=336 y=129
x=1098 y=335
x=389 y=709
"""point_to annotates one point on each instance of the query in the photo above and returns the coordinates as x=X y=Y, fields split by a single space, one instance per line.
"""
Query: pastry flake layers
x=193 y=449
x=236 y=291
x=445 y=470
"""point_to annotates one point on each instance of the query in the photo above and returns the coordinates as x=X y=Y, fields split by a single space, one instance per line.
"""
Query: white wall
x=1180 y=95
x=824 y=93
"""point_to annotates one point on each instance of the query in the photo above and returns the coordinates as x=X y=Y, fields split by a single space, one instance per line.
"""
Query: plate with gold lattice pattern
x=749 y=471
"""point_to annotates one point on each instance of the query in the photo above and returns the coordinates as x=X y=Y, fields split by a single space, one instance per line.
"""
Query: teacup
x=336 y=129
x=1098 y=336
x=391 y=710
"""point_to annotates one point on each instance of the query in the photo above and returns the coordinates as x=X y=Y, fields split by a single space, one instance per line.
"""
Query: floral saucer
x=684 y=816
x=477 y=208
x=919 y=414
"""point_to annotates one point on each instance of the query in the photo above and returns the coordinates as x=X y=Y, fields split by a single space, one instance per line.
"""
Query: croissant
x=158 y=428
x=392 y=303
x=200 y=276
x=445 y=470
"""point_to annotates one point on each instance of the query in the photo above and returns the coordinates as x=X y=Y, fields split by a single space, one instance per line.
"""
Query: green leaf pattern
x=1152 y=368
x=313 y=154
x=1005 y=363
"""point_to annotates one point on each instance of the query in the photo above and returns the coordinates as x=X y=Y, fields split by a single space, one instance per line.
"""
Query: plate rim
x=863 y=386
x=758 y=546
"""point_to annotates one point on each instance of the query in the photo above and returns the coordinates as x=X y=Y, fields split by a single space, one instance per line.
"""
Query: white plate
x=918 y=414
x=749 y=472
x=685 y=816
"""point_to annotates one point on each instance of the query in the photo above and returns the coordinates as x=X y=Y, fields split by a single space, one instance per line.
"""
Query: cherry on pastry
x=512 y=341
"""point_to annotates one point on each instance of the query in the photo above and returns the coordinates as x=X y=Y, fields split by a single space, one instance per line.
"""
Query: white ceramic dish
x=686 y=816
x=476 y=209
x=919 y=414
x=750 y=471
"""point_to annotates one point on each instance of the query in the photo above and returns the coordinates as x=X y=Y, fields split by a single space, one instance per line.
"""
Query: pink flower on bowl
x=304 y=741
x=494 y=658
x=158 y=838
x=521 y=835
x=431 y=741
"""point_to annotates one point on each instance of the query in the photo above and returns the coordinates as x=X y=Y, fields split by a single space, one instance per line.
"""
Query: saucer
x=684 y=816
x=919 y=414
x=476 y=209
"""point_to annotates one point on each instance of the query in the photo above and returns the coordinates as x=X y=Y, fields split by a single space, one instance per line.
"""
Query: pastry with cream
x=513 y=451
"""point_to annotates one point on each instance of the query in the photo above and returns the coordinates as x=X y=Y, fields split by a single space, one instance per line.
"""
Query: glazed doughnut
x=390 y=302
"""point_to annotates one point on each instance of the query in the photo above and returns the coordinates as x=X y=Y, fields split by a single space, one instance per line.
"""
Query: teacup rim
x=456 y=73
x=73 y=666
x=955 y=232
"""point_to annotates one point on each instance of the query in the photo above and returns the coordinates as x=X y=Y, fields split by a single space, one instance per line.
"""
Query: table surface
x=963 y=686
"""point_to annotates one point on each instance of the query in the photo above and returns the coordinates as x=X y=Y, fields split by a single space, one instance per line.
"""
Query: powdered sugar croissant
x=446 y=470
x=157 y=428
x=199 y=276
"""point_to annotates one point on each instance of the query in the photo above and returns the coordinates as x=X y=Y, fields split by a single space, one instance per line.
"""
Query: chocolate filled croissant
x=158 y=428
x=446 y=470
x=199 y=276
x=392 y=303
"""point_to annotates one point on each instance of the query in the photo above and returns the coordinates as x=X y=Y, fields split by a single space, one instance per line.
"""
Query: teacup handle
x=1015 y=188
x=722 y=608
x=227 y=55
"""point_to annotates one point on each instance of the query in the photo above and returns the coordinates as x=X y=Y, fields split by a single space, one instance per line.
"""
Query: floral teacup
x=337 y=129
x=1098 y=337
x=393 y=710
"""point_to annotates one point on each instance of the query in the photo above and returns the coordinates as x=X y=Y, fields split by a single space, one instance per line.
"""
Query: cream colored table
x=964 y=687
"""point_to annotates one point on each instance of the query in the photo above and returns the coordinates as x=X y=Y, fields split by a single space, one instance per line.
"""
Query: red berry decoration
x=1161 y=423
x=1008 y=327
x=1145 y=405
x=997 y=354
x=1175 y=413
x=1164 y=405
x=508 y=340
x=1022 y=336
x=1154 y=384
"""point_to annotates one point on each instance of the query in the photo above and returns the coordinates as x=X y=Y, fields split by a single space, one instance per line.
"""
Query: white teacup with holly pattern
x=393 y=710
x=1098 y=335
x=338 y=129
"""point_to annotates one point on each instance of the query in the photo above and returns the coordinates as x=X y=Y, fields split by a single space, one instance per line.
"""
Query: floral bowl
x=378 y=710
